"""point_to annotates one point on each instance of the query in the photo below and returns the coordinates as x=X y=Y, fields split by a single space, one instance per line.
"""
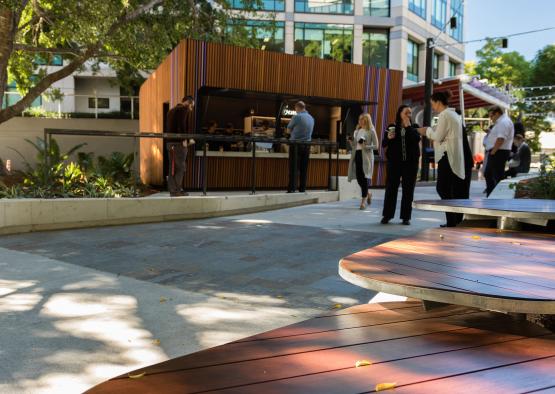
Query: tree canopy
x=129 y=35
x=512 y=70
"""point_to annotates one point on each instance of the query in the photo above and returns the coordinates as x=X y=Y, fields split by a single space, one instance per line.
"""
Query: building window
x=376 y=7
x=375 y=48
x=12 y=96
x=103 y=103
x=324 y=41
x=266 y=5
x=418 y=7
x=435 y=72
x=452 y=68
x=412 y=60
x=49 y=60
x=324 y=6
x=439 y=13
x=269 y=34
x=457 y=10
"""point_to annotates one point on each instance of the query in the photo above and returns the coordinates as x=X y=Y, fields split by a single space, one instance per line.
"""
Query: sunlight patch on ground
x=384 y=297
x=344 y=300
x=253 y=221
x=19 y=302
x=10 y=286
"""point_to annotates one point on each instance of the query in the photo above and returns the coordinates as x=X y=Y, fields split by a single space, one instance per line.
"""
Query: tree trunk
x=43 y=84
x=7 y=32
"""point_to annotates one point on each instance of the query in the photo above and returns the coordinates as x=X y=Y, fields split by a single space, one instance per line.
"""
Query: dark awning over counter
x=252 y=95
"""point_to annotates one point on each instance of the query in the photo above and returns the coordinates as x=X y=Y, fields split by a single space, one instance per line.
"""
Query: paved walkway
x=80 y=306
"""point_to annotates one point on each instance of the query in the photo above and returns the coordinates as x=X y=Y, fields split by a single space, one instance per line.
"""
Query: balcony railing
x=79 y=106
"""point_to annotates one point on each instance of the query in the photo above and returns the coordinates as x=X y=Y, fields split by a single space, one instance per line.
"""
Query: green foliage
x=543 y=186
x=129 y=35
x=511 y=68
x=500 y=69
x=55 y=175
x=117 y=167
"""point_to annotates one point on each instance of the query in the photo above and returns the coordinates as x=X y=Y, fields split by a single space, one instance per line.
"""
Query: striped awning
x=476 y=94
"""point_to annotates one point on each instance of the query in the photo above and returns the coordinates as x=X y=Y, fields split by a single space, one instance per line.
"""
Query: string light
x=532 y=88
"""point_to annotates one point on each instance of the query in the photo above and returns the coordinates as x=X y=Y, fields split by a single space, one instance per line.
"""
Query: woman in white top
x=361 y=164
x=448 y=152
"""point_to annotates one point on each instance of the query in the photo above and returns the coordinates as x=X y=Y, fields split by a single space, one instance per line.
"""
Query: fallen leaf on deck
x=337 y=306
x=162 y=300
x=476 y=237
x=137 y=376
x=441 y=236
x=385 y=386
x=279 y=296
x=362 y=363
x=156 y=342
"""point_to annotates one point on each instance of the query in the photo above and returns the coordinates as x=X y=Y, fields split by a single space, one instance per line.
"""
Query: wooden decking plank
x=393 y=272
x=283 y=346
x=482 y=252
x=531 y=376
x=339 y=322
x=473 y=271
x=326 y=361
x=520 y=272
x=409 y=371
x=449 y=266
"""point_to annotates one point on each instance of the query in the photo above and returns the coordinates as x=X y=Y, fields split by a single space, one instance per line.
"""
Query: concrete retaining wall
x=26 y=215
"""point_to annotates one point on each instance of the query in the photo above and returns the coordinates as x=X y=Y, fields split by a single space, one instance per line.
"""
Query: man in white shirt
x=498 y=148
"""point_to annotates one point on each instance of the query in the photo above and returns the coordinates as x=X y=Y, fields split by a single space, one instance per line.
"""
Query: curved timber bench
x=482 y=268
x=447 y=350
x=509 y=211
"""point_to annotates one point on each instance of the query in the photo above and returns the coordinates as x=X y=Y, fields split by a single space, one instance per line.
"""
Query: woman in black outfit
x=402 y=149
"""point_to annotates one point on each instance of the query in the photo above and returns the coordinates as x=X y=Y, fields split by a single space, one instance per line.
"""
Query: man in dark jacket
x=520 y=161
x=178 y=121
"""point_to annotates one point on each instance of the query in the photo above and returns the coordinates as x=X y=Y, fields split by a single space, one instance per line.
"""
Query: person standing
x=449 y=153
x=520 y=161
x=402 y=151
x=300 y=127
x=361 y=164
x=178 y=120
x=501 y=141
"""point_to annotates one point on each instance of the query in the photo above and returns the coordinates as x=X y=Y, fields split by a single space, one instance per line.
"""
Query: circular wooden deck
x=511 y=208
x=447 y=350
x=482 y=268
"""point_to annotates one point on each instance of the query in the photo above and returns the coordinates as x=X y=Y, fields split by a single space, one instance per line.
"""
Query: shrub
x=542 y=187
x=55 y=176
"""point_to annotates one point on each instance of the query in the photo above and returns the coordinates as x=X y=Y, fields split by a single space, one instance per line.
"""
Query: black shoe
x=447 y=225
x=406 y=222
x=290 y=191
x=385 y=221
x=443 y=225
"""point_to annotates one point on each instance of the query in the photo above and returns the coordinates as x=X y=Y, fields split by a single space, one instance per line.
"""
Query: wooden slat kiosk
x=261 y=81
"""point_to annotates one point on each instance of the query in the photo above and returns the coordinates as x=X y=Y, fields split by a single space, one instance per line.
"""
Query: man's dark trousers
x=299 y=155
x=177 y=165
x=495 y=169
x=449 y=186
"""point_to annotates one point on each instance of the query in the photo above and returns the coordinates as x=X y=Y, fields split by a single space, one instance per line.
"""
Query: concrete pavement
x=80 y=306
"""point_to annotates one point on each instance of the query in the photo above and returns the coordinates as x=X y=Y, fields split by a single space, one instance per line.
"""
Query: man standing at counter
x=178 y=123
x=300 y=127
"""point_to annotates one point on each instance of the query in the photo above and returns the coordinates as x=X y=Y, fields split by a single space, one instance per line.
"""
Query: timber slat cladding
x=447 y=350
x=497 y=270
x=195 y=64
x=227 y=173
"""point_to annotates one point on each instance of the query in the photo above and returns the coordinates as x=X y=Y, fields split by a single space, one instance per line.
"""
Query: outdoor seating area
x=366 y=348
x=508 y=212
x=483 y=268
